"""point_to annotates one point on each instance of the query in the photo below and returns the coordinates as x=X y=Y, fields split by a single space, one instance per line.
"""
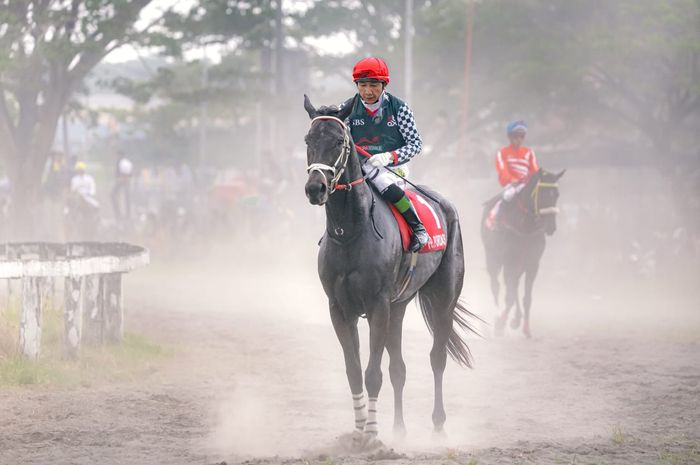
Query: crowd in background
x=168 y=204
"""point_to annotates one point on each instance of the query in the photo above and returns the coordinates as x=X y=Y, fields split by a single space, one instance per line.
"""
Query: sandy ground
x=259 y=377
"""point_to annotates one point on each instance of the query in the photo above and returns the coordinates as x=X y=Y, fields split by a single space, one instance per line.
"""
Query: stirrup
x=419 y=238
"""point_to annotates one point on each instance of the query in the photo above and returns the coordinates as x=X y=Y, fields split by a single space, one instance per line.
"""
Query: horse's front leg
x=378 y=329
x=510 y=277
x=530 y=276
x=346 y=330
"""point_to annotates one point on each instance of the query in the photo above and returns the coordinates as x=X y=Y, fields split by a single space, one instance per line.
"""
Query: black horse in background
x=518 y=242
x=363 y=271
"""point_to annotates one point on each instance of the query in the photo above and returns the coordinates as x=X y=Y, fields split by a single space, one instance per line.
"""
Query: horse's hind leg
x=442 y=327
x=350 y=342
x=397 y=367
x=518 y=315
x=438 y=301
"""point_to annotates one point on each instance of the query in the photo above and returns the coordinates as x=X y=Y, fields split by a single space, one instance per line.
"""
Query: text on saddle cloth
x=431 y=221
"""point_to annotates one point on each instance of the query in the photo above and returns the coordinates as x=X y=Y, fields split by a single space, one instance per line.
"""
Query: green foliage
x=630 y=66
x=618 y=436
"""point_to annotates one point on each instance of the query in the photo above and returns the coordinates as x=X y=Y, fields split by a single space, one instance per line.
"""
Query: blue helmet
x=516 y=126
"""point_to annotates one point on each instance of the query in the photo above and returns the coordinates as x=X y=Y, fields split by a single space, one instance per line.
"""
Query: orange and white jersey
x=515 y=165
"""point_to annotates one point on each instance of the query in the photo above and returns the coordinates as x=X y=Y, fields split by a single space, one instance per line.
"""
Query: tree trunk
x=26 y=166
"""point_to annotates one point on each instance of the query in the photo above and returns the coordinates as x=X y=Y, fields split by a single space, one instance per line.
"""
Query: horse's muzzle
x=316 y=191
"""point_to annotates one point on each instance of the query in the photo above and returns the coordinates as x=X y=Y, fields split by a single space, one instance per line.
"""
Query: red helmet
x=371 y=69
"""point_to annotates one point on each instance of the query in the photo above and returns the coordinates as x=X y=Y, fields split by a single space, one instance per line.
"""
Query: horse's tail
x=456 y=345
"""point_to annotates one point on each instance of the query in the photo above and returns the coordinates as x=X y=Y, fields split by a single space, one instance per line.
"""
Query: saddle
x=429 y=218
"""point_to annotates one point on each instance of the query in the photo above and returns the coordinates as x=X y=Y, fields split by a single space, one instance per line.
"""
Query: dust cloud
x=611 y=373
x=614 y=320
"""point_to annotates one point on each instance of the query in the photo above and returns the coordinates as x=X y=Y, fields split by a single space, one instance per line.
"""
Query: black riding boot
x=420 y=235
x=397 y=196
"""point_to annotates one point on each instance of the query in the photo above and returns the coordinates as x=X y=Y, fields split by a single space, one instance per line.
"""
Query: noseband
x=536 y=199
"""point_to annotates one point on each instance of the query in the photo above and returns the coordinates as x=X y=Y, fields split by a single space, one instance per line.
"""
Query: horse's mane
x=330 y=110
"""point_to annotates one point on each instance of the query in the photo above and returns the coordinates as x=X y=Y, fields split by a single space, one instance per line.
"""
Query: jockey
x=515 y=164
x=384 y=126
x=82 y=185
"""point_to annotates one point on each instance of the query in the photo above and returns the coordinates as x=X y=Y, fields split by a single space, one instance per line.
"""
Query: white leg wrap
x=358 y=403
x=371 y=425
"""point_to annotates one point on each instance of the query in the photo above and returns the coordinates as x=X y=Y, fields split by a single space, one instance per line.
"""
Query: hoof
x=515 y=322
x=370 y=442
x=359 y=442
x=439 y=434
x=399 y=431
x=526 y=332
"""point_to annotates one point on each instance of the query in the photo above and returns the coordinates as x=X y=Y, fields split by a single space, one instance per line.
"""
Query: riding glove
x=381 y=159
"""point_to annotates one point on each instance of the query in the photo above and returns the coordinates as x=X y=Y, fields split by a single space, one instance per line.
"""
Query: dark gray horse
x=518 y=243
x=362 y=267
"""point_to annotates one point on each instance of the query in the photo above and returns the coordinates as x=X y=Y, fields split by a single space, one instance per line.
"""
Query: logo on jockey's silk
x=358 y=122
x=390 y=121
x=365 y=141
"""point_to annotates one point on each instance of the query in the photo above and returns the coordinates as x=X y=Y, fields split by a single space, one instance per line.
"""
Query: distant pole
x=278 y=90
x=258 y=135
x=467 y=71
x=203 y=108
x=408 y=61
x=279 y=50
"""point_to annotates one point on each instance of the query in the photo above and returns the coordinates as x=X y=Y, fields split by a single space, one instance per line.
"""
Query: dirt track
x=603 y=381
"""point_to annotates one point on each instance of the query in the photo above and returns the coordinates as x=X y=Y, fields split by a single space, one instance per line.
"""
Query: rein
x=340 y=163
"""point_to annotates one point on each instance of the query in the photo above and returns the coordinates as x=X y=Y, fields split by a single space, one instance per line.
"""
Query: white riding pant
x=510 y=191
x=507 y=195
x=383 y=178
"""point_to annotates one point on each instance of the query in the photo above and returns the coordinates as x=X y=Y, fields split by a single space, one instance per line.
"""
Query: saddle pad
x=430 y=219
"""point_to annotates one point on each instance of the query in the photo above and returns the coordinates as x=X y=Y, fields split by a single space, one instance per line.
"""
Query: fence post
x=112 y=311
x=73 y=316
x=92 y=310
x=30 y=323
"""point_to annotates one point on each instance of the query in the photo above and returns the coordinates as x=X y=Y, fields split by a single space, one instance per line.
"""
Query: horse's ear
x=347 y=109
x=309 y=108
x=559 y=175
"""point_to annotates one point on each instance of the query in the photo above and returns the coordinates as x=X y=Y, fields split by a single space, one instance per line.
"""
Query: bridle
x=532 y=213
x=341 y=162
x=536 y=198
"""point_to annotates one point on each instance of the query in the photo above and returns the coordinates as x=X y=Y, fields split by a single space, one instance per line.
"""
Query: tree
x=242 y=92
x=626 y=71
x=47 y=47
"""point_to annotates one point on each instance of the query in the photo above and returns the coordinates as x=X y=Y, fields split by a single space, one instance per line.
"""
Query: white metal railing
x=92 y=288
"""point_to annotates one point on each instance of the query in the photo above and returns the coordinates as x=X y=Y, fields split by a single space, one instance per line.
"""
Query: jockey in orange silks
x=515 y=163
